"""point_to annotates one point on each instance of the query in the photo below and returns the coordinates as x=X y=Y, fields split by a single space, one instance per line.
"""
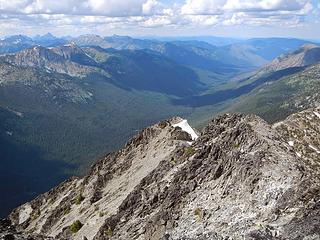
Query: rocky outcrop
x=241 y=179
x=9 y=232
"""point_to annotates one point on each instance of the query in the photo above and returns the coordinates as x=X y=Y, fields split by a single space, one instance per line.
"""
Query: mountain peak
x=47 y=36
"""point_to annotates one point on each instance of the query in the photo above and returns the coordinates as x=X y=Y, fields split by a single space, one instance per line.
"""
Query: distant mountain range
x=16 y=43
x=67 y=101
x=249 y=53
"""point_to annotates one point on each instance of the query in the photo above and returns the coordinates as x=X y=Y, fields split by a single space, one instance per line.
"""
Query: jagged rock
x=241 y=179
x=9 y=232
x=179 y=134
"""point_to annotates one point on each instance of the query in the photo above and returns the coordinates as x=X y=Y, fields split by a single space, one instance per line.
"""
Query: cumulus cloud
x=213 y=7
x=249 y=12
x=155 y=13
x=203 y=7
x=266 y=5
x=74 y=7
x=151 y=7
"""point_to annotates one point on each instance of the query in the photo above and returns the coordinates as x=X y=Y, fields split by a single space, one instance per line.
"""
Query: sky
x=229 y=18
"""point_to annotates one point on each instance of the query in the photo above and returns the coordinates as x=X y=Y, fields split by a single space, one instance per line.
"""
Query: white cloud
x=115 y=7
x=157 y=21
x=202 y=7
x=111 y=14
x=151 y=7
x=74 y=7
x=265 y=5
x=249 y=12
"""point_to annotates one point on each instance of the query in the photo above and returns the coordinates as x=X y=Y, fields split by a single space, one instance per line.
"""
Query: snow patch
x=313 y=148
x=291 y=143
x=87 y=55
x=317 y=114
x=186 y=127
x=68 y=45
x=298 y=154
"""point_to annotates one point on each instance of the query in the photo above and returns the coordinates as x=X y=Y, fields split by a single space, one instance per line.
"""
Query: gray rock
x=241 y=179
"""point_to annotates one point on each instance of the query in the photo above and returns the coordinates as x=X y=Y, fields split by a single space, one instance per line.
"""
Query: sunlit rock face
x=240 y=178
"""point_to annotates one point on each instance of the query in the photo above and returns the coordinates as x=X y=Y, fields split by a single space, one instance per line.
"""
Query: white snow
x=317 y=114
x=313 y=148
x=291 y=143
x=87 y=55
x=186 y=127
x=68 y=45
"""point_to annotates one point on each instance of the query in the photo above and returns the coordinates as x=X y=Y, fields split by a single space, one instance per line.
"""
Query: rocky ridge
x=241 y=178
x=305 y=56
x=59 y=59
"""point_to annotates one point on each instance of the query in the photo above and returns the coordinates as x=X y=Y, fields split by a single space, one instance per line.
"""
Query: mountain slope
x=240 y=178
x=240 y=56
x=55 y=86
x=304 y=56
x=189 y=53
x=275 y=100
x=48 y=58
x=144 y=70
x=68 y=121
x=270 y=48
x=288 y=84
x=141 y=70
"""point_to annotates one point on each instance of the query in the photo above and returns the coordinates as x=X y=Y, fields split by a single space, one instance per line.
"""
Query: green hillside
x=276 y=100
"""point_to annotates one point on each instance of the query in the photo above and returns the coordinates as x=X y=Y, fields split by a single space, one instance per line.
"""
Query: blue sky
x=232 y=18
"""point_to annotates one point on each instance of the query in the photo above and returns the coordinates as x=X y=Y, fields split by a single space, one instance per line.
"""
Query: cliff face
x=242 y=178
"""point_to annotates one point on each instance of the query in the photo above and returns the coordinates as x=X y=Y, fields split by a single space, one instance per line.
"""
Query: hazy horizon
x=163 y=37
